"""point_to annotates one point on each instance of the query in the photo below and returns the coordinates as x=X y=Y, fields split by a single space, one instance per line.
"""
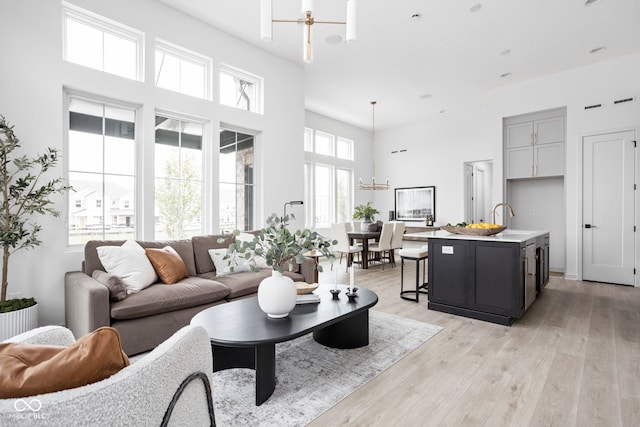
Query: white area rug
x=312 y=378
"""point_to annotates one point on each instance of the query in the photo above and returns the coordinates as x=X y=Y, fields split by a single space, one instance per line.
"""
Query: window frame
x=247 y=76
x=204 y=183
x=105 y=25
x=254 y=185
x=137 y=176
x=313 y=159
x=188 y=55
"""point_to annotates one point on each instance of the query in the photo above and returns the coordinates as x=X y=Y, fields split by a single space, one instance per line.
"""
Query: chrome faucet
x=493 y=212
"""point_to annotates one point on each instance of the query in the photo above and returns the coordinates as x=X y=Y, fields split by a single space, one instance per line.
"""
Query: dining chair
x=339 y=233
x=384 y=244
x=396 y=239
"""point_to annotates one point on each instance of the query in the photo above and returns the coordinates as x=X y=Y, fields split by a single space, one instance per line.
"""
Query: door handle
x=589 y=226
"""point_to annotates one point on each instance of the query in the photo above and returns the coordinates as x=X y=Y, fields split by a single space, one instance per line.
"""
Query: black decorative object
x=352 y=293
x=335 y=293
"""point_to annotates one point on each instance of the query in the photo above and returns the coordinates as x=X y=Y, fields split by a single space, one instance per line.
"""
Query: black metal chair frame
x=420 y=288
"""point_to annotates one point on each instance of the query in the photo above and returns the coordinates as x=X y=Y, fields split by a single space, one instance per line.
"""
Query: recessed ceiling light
x=425 y=96
x=475 y=7
x=503 y=75
x=505 y=52
x=591 y=2
x=333 y=39
x=597 y=49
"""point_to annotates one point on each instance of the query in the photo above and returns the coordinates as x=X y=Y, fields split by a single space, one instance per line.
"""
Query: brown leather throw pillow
x=30 y=369
x=168 y=264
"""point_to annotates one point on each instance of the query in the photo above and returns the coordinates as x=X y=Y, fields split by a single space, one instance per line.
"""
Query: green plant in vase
x=279 y=247
x=366 y=213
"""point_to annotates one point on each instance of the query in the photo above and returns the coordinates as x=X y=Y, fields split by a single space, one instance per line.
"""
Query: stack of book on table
x=307 y=298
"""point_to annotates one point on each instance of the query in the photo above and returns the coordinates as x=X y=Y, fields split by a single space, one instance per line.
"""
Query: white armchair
x=170 y=385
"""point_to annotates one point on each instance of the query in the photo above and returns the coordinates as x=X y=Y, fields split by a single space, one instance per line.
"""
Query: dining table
x=363 y=236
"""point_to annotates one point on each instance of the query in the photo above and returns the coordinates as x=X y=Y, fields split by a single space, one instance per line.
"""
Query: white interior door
x=608 y=236
x=468 y=192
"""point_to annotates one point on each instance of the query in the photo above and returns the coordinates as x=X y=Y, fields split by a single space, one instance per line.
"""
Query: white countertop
x=508 y=235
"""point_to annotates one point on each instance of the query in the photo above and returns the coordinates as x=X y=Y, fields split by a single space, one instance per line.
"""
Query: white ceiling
x=448 y=52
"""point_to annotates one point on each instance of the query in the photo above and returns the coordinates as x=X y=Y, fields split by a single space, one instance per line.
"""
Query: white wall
x=437 y=149
x=32 y=78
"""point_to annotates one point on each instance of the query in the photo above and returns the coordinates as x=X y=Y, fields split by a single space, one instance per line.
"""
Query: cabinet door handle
x=526 y=267
x=531 y=140
x=535 y=138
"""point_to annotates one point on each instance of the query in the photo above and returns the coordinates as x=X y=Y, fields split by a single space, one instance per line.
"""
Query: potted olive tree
x=366 y=213
x=24 y=193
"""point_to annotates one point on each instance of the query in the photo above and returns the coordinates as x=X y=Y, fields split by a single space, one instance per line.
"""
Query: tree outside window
x=178 y=170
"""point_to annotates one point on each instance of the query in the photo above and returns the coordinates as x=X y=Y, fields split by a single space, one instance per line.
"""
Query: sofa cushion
x=201 y=246
x=29 y=369
x=168 y=264
x=184 y=248
x=247 y=283
x=130 y=263
x=159 y=298
x=117 y=288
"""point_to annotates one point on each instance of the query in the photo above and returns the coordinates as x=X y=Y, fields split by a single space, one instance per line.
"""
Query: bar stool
x=417 y=255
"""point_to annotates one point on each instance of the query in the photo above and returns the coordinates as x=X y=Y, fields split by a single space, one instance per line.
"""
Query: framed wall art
x=415 y=203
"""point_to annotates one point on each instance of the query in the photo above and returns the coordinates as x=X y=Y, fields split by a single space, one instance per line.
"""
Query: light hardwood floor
x=572 y=360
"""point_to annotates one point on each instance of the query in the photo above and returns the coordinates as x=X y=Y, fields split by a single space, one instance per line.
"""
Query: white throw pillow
x=223 y=266
x=130 y=263
x=260 y=261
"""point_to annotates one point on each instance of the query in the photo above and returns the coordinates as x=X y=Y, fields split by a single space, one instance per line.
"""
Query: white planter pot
x=277 y=295
x=19 y=321
x=364 y=225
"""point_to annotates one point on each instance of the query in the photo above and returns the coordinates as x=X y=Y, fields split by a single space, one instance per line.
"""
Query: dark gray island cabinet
x=492 y=278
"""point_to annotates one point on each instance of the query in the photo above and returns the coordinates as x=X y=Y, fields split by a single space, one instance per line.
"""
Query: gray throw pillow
x=117 y=288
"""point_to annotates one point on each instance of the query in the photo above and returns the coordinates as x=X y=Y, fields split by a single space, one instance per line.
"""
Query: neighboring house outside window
x=101 y=159
x=237 y=202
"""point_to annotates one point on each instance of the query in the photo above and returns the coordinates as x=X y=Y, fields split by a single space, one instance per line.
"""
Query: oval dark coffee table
x=242 y=336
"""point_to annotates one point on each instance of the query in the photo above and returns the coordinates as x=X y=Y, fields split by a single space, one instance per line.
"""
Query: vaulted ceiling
x=423 y=58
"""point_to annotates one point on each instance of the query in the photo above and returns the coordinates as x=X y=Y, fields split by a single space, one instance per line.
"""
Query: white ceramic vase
x=364 y=225
x=19 y=321
x=277 y=295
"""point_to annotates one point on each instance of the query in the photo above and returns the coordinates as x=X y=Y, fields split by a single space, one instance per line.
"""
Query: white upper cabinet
x=534 y=148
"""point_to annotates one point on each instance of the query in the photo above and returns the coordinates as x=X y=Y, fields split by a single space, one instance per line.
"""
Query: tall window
x=240 y=89
x=236 y=181
x=328 y=178
x=178 y=178
x=100 y=43
x=182 y=70
x=101 y=168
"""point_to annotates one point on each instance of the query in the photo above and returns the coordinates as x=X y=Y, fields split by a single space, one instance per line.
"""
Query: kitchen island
x=492 y=278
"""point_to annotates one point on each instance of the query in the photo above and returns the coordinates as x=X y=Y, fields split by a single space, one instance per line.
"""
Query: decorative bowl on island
x=474 y=231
